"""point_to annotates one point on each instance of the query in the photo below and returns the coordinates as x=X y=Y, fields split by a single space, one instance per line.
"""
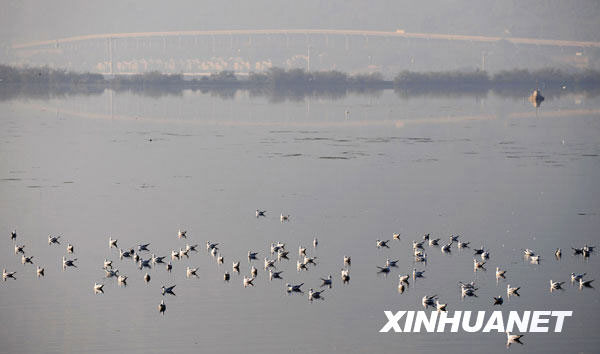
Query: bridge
x=244 y=51
x=384 y=34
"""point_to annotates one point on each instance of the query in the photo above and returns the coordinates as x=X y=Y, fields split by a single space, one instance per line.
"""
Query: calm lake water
x=493 y=169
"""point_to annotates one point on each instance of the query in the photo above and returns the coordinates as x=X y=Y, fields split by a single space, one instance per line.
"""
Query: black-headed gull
x=347 y=260
x=428 y=300
x=512 y=291
x=122 y=279
x=295 y=288
x=513 y=338
x=421 y=258
x=301 y=251
x=167 y=290
x=124 y=254
x=40 y=271
x=145 y=263
x=440 y=307
x=191 y=271
x=13 y=235
x=418 y=274
x=585 y=283
x=181 y=234
x=147 y=278
x=6 y=275
x=434 y=241
x=109 y=273
x=382 y=243
x=309 y=260
x=396 y=236
x=274 y=248
x=112 y=242
x=273 y=274
x=68 y=262
x=500 y=273
x=468 y=292
x=498 y=300
x=236 y=266
x=463 y=244
x=53 y=239
x=143 y=247
x=345 y=273
x=315 y=242
x=478 y=265
x=300 y=266
x=401 y=288
x=248 y=281
x=162 y=307
x=98 y=288
x=576 y=277
x=313 y=294
x=477 y=251
x=189 y=247
x=282 y=254
x=260 y=212
x=70 y=248
x=528 y=252
x=210 y=246
x=390 y=263
x=283 y=218
x=269 y=263
x=327 y=281
x=417 y=245
x=555 y=285
x=383 y=269
x=156 y=259
x=446 y=248
x=25 y=259
x=19 y=249
x=253 y=271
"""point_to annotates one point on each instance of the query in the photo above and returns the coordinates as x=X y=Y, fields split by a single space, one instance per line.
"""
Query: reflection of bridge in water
x=211 y=41
x=302 y=118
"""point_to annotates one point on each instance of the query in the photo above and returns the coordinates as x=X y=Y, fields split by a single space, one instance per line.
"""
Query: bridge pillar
x=110 y=56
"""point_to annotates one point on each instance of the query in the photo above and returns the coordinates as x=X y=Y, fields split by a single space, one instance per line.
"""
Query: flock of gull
x=481 y=257
x=145 y=259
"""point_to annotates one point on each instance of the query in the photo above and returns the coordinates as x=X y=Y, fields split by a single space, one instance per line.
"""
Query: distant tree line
x=297 y=82
x=549 y=77
x=47 y=76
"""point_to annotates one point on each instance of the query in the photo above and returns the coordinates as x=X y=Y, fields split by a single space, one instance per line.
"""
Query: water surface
x=493 y=169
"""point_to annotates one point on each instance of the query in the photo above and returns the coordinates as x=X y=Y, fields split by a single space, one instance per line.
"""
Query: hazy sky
x=22 y=20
